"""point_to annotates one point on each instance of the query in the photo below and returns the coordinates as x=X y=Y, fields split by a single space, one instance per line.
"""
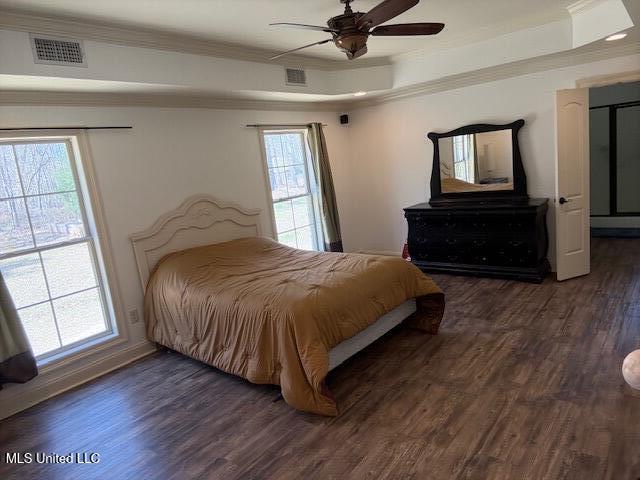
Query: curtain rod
x=284 y=125
x=64 y=128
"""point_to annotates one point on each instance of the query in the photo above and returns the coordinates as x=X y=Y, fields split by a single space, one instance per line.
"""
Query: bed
x=218 y=291
x=454 y=185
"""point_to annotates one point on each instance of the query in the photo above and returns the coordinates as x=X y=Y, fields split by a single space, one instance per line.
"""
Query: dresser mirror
x=479 y=162
x=476 y=162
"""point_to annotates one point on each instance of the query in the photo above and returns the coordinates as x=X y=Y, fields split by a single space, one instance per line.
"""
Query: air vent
x=296 y=76
x=57 y=51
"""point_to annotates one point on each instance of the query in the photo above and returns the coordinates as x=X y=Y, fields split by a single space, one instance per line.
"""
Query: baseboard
x=386 y=253
x=615 y=232
x=15 y=398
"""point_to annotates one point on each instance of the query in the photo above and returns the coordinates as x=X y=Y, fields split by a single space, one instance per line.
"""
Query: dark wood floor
x=523 y=382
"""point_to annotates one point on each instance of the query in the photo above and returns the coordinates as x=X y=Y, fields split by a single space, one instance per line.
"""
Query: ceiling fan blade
x=384 y=11
x=317 y=28
x=359 y=53
x=408 y=29
x=300 y=48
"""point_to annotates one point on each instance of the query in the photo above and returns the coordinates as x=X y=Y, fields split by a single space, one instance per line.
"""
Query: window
x=293 y=189
x=463 y=158
x=615 y=159
x=48 y=251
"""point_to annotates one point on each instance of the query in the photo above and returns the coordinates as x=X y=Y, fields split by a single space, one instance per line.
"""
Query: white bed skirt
x=353 y=345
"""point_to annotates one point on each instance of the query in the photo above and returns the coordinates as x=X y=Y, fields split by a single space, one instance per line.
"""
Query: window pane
x=305 y=238
x=24 y=279
x=302 y=211
x=45 y=168
x=292 y=149
x=9 y=180
x=284 y=216
x=15 y=233
x=69 y=269
x=40 y=327
x=79 y=316
x=292 y=187
x=56 y=218
x=288 y=238
x=296 y=181
x=278 y=180
x=273 y=147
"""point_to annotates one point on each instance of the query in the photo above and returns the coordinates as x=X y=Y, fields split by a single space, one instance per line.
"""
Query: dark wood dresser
x=503 y=239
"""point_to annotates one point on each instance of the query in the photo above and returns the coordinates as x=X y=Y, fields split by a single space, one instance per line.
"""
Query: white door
x=572 y=183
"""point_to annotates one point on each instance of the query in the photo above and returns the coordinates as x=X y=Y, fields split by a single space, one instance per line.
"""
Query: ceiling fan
x=351 y=30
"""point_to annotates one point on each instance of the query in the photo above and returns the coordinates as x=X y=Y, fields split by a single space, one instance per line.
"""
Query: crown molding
x=500 y=72
x=112 y=99
x=485 y=75
x=581 y=5
x=481 y=34
x=92 y=30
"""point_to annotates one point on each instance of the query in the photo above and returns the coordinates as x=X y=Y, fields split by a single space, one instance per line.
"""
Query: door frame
x=592 y=82
x=611 y=79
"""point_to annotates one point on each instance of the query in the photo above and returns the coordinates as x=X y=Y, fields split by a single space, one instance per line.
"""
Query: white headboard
x=200 y=220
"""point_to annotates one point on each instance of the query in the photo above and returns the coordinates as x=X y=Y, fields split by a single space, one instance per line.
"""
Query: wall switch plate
x=133 y=316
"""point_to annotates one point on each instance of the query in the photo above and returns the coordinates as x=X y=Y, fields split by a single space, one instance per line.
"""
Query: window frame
x=96 y=237
x=468 y=149
x=613 y=110
x=310 y=175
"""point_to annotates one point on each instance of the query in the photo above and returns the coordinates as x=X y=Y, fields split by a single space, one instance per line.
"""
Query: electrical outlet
x=133 y=316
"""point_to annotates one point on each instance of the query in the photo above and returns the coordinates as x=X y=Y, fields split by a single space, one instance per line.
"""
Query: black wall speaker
x=344 y=119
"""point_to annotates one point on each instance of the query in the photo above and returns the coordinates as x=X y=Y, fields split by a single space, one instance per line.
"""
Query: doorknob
x=563 y=200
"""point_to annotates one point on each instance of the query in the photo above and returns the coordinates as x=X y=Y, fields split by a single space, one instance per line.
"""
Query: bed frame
x=200 y=220
x=204 y=220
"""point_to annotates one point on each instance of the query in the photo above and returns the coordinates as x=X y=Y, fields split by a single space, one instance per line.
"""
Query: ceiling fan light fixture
x=350 y=30
x=351 y=42
x=616 y=36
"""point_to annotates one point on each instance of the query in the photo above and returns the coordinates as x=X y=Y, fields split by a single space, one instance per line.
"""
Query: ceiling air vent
x=296 y=77
x=57 y=51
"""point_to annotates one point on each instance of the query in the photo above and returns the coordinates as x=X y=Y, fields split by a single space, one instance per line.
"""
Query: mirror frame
x=519 y=192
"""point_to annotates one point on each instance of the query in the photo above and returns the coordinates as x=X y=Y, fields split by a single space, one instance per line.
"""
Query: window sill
x=79 y=352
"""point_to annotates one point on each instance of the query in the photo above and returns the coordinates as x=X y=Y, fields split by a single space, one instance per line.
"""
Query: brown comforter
x=270 y=313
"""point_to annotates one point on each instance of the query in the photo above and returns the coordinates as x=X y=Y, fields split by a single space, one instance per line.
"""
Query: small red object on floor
x=405 y=252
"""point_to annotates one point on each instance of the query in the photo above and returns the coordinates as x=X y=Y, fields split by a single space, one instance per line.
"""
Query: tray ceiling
x=245 y=22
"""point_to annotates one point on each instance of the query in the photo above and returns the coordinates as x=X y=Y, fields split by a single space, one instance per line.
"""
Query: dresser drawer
x=492 y=239
x=450 y=254
x=421 y=228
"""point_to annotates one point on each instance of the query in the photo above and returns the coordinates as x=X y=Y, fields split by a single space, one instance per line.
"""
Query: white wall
x=391 y=156
x=495 y=154
x=167 y=156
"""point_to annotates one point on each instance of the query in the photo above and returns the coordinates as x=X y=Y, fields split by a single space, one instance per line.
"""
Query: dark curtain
x=17 y=363
x=328 y=204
